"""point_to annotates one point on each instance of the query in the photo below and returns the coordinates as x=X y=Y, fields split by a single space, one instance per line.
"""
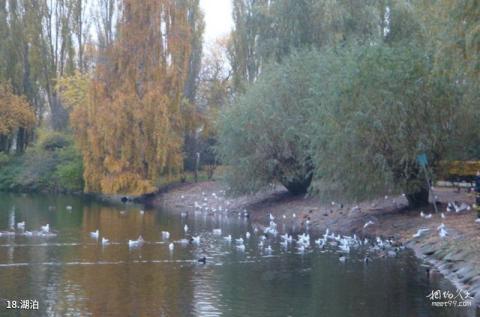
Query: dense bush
x=354 y=119
x=52 y=141
x=263 y=136
x=52 y=164
x=381 y=107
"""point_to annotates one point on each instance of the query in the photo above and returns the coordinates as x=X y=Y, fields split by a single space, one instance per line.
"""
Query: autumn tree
x=131 y=128
x=15 y=113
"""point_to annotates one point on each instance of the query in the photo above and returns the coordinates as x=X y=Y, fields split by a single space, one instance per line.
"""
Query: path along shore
x=456 y=256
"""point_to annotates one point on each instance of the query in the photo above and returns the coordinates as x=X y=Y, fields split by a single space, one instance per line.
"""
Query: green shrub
x=9 y=173
x=51 y=141
x=52 y=164
x=4 y=159
x=381 y=107
x=69 y=172
x=262 y=135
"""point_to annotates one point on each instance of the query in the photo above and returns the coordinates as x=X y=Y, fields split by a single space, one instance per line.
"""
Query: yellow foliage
x=74 y=89
x=130 y=183
x=130 y=125
x=451 y=169
x=15 y=111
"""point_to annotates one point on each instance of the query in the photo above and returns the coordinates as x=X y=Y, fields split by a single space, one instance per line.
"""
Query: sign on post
x=422 y=160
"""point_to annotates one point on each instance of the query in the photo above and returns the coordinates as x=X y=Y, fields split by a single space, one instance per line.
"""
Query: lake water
x=71 y=274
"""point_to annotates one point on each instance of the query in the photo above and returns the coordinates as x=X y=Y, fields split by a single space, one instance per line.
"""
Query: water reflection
x=72 y=274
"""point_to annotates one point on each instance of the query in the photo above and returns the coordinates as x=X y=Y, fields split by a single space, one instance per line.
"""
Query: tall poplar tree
x=131 y=130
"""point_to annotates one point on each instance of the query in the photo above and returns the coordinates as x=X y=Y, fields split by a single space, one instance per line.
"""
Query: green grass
x=51 y=164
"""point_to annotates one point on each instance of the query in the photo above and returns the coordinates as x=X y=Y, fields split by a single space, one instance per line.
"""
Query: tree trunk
x=197 y=165
x=298 y=186
x=298 y=181
x=418 y=198
x=59 y=114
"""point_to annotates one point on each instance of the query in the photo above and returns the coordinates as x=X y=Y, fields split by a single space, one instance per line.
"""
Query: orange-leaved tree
x=15 y=113
x=130 y=125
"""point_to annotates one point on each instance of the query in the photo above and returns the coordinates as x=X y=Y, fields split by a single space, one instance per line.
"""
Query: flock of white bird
x=44 y=231
x=266 y=235
x=442 y=229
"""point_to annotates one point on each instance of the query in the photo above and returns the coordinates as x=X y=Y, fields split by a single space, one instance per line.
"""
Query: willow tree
x=381 y=107
x=131 y=128
x=262 y=135
x=267 y=30
x=453 y=30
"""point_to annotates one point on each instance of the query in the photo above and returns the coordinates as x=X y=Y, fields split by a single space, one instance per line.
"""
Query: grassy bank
x=52 y=164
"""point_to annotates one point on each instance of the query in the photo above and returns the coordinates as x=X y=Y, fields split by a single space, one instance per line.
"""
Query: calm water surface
x=72 y=275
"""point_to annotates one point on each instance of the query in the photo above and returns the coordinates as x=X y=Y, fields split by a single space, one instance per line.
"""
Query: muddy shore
x=456 y=256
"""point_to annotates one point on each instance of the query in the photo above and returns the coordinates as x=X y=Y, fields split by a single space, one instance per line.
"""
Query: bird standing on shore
x=420 y=232
x=442 y=233
x=367 y=224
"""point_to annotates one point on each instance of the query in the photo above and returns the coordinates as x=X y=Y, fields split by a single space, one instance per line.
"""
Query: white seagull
x=136 y=243
x=94 y=234
x=442 y=233
x=46 y=228
x=420 y=232
x=368 y=224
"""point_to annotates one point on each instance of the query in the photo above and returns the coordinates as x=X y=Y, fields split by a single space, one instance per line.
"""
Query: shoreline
x=456 y=256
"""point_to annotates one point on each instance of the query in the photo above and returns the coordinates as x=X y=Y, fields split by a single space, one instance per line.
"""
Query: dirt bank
x=456 y=256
